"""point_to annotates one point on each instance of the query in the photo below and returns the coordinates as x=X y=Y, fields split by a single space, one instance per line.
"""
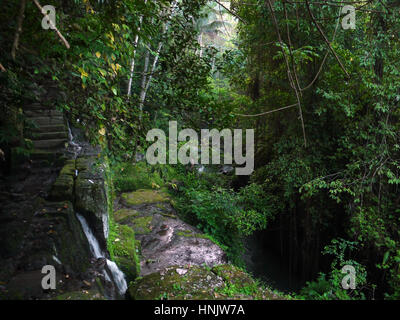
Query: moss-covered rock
x=91 y=197
x=199 y=283
x=233 y=275
x=69 y=168
x=81 y=295
x=240 y=285
x=53 y=237
x=142 y=225
x=144 y=197
x=63 y=187
x=130 y=217
x=124 y=214
x=177 y=283
x=124 y=250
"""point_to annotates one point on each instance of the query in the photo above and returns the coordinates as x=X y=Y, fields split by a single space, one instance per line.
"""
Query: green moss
x=131 y=177
x=185 y=233
x=123 y=214
x=197 y=283
x=167 y=215
x=233 y=275
x=239 y=284
x=69 y=168
x=161 y=206
x=83 y=164
x=80 y=295
x=124 y=249
x=63 y=187
x=144 y=197
x=141 y=225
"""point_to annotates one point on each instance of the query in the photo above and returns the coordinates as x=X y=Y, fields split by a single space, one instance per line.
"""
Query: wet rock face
x=38 y=227
x=82 y=183
x=48 y=234
x=165 y=239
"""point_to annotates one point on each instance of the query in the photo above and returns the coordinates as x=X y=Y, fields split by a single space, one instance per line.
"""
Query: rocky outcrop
x=165 y=240
x=177 y=261
x=199 y=283
x=90 y=195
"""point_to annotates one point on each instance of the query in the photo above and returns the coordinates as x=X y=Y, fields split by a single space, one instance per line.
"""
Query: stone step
x=36 y=106
x=49 y=144
x=43 y=158
x=51 y=128
x=49 y=135
x=45 y=155
x=46 y=121
x=43 y=113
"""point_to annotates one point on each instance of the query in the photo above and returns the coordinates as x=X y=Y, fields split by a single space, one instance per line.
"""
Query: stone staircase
x=49 y=134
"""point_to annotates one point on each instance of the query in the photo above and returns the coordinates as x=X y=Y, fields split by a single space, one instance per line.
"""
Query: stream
x=112 y=272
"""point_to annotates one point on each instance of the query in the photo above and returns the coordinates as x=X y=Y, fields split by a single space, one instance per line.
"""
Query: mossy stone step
x=49 y=135
x=50 y=128
x=43 y=113
x=46 y=121
x=46 y=155
x=36 y=106
x=49 y=144
x=145 y=196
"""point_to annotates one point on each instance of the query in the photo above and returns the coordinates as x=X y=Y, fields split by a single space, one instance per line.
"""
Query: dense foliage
x=324 y=102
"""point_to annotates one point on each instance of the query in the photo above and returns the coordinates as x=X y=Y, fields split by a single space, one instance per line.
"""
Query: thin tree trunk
x=200 y=39
x=19 y=28
x=134 y=54
x=144 y=82
x=146 y=85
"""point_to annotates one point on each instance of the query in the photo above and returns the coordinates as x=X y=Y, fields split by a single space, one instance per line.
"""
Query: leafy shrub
x=131 y=177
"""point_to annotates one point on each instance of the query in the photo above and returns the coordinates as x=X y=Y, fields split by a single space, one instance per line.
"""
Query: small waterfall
x=76 y=148
x=117 y=275
x=94 y=244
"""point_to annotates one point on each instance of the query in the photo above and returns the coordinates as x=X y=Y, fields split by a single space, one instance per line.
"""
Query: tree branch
x=230 y=11
x=325 y=39
x=291 y=80
x=268 y=112
x=52 y=25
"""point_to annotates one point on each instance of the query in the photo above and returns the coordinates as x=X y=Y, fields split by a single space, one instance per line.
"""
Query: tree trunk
x=144 y=82
x=134 y=54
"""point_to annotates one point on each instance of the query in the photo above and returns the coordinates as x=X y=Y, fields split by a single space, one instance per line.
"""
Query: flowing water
x=73 y=147
x=117 y=276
